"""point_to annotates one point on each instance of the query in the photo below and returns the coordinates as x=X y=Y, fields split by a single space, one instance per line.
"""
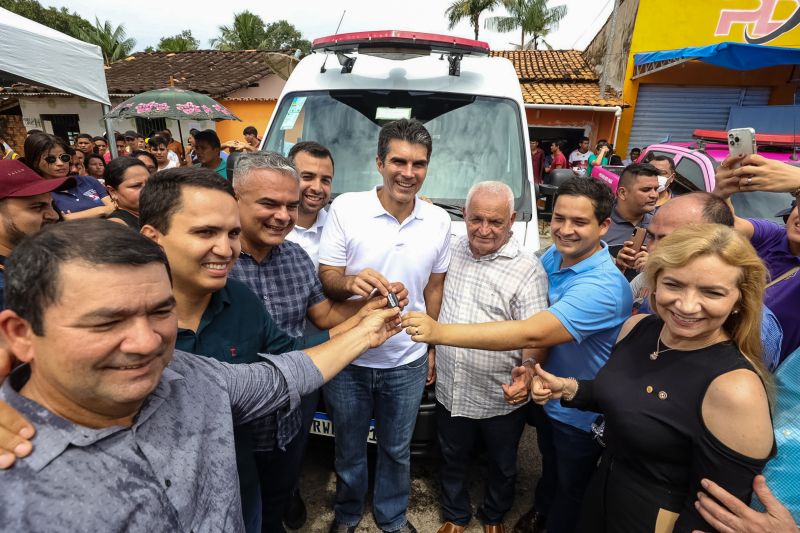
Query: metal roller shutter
x=674 y=112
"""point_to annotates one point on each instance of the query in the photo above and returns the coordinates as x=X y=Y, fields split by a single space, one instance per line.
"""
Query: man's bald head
x=693 y=208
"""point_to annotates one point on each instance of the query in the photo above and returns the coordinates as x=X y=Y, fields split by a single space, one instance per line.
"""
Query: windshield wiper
x=450 y=208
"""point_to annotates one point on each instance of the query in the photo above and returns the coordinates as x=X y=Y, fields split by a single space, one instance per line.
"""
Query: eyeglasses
x=64 y=158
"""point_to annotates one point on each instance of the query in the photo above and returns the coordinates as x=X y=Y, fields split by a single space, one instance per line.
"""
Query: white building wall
x=269 y=88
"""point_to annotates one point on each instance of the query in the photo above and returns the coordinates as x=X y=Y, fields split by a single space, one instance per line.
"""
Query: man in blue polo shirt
x=589 y=301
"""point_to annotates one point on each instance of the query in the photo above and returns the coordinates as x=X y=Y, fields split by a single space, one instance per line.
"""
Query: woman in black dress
x=125 y=178
x=684 y=393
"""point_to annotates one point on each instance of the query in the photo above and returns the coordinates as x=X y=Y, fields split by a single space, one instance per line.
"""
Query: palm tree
x=248 y=32
x=532 y=17
x=113 y=42
x=468 y=9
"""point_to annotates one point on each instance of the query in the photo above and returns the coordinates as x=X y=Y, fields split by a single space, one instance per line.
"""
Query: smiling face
x=104 y=352
x=695 y=300
x=316 y=179
x=58 y=168
x=575 y=230
x=202 y=242
x=127 y=196
x=403 y=171
x=489 y=222
x=268 y=205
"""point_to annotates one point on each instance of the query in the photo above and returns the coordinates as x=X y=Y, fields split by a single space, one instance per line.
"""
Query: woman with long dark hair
x=125 y=178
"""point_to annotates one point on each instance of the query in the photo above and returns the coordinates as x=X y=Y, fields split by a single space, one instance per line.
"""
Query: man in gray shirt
x=131 y=434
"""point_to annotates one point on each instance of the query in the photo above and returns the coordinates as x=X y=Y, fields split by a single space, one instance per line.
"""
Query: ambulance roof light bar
x=398 y=45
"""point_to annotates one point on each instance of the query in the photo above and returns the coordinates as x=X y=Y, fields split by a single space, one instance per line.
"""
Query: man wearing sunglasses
x=25 y=206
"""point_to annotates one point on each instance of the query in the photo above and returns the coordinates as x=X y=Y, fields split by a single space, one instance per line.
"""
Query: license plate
x=322 y=425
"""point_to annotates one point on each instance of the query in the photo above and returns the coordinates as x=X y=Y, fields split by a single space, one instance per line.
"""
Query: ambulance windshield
x=475 y=138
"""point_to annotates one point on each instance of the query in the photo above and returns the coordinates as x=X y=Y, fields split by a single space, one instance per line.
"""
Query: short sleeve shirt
x=86 y=194
x=621 y=230
x=309 y=238
x=783 y=298
x=509 y=284
x=360 y=233
x=591 y=299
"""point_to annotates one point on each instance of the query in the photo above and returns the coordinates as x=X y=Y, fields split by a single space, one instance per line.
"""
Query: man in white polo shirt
x=314 y=163
x=369 y=238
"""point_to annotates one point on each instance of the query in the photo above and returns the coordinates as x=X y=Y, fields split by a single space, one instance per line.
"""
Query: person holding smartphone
x=634 y=204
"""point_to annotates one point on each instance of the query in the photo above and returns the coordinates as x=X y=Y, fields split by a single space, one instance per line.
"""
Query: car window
x=692 y=171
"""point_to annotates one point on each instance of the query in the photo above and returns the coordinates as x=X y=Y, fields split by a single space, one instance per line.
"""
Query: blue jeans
x=569 y=458
x=393 y=395
x=457 y=437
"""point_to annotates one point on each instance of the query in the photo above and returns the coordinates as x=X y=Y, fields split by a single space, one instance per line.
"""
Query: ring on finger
x=749 y=181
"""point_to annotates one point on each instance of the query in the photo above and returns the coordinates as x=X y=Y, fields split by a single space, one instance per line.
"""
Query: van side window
x=691 y=171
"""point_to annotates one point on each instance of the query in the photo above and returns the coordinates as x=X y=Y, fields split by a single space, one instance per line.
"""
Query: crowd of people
x=163 y=357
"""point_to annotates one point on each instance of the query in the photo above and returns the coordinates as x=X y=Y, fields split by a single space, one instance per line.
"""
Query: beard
x=13 y=233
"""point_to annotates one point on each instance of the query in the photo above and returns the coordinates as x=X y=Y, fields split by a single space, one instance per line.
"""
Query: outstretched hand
x=421 y=327
x=379 y=325
x=546 y=386
x=519 y=390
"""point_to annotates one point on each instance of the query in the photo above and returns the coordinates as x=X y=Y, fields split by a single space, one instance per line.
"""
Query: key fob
x=393 y=301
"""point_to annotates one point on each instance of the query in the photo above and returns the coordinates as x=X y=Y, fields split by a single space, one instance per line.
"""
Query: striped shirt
x=509 y=284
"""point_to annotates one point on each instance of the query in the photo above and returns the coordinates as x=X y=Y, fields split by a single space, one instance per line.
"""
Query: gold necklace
x=658 y=351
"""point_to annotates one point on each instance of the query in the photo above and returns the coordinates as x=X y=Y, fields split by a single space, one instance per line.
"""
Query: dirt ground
x=318 y=487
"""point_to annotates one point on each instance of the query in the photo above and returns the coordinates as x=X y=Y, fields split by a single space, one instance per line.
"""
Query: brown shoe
x=494 y=528
x=449 y=527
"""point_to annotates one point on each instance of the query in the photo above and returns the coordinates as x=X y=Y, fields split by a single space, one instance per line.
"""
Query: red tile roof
x=562 y=77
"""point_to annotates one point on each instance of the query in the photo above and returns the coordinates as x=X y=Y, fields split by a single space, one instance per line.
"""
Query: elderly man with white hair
x=490 y=278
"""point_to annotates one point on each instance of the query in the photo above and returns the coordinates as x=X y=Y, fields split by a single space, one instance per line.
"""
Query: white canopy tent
x=36 y=54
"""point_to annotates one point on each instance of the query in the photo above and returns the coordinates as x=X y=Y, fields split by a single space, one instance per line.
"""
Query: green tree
x=532 y=17
x=183 y=42
x=58 y=19
x=247 y=32
x=113 y=42
x=281 y=35
x=468 y=9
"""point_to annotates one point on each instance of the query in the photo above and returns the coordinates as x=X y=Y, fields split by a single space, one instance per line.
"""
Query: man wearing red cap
x=25 y=206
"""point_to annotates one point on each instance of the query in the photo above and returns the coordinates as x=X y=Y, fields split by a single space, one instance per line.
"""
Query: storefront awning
x=735 y=56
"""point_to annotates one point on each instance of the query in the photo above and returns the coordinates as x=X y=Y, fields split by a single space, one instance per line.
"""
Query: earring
x=735 y=312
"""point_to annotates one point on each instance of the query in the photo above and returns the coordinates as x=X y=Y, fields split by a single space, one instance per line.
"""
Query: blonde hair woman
x=684 y=393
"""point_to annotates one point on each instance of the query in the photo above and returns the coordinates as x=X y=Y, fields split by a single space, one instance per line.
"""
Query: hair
x=137 y=153
x=119 y=137
x=497 y=188
x=161 y=196
x=636 y=150
x=31 y=132
x=312 y=148
x=193 y=132
x=599 y=193
x=32 y=271
x=583 y=139
x=91 y=156
x=84 y=136
x=663 y=158
x=114 y=174
x=208 y=136
x=631 y=173
x=615 y=160
x=156 y=140
x=411 y=131
x=562 y=144
x=100 y=138
x=249 y=161
x=698 y=240
x=38 y=144
x=715 y=210
x=250 y=130
x=166 y=134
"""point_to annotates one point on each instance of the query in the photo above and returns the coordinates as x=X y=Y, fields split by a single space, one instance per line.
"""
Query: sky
x=148 y=21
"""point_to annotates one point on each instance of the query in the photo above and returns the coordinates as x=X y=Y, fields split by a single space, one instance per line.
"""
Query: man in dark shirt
x=634 y=204
x=132 y=434
x=25 y=206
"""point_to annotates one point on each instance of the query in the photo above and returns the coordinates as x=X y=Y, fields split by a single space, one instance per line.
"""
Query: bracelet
x=531 y=360
x=572 y=396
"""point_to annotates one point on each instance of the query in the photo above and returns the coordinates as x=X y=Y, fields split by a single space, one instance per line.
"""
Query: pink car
x=697 y=163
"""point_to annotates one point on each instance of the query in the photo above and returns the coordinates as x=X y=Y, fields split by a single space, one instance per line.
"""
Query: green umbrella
x=174 y=103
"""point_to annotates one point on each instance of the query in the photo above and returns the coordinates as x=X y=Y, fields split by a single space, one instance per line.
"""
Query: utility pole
x=609 y=38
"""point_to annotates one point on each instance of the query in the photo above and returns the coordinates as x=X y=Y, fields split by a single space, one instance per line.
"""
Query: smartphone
x=638 y=237
x=741 y=141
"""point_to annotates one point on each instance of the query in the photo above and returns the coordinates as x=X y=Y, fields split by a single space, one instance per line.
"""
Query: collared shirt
x=286 y=282
x=509 y=284
x=222 y=168
x=621 y=230
x=772 y=244
x=173 y=470
x=87 y=193
x=591 y=299
x=360 y=233
x=309 y=238
x=235 y=328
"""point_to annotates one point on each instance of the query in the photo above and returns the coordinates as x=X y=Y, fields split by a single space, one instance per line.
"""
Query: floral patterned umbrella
x=174 y=103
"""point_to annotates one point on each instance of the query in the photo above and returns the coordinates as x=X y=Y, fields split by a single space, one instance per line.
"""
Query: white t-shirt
x=577 y=157
x=359 y=233
x=309 y=238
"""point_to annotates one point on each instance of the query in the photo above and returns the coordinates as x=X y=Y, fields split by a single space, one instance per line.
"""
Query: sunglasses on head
x=65 y=158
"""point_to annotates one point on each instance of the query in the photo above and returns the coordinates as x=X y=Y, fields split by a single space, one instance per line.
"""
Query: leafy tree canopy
x=58 y=19
x=183 y=42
